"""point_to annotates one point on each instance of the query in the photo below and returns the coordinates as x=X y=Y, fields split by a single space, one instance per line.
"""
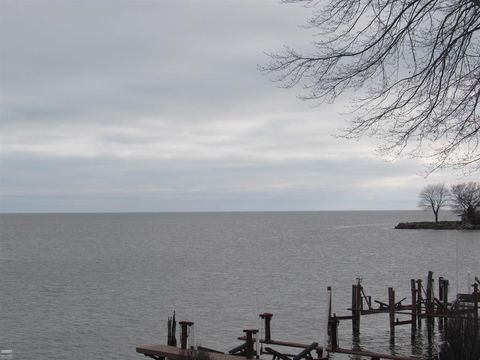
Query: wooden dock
x=422 y=306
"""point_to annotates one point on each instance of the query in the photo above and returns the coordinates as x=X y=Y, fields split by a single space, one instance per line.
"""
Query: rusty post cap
x=265 y=315
x=184 y=322
x=253 y=331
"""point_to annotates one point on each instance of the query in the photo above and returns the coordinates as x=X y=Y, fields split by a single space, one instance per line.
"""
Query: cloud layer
x=159 y=106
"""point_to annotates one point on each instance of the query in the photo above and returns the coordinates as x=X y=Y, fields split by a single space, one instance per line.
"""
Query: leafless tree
x=433 y=197
x=465 y=199
x=417 y=63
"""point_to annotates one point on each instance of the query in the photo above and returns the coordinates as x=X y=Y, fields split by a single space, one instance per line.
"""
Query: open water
x=94 y=286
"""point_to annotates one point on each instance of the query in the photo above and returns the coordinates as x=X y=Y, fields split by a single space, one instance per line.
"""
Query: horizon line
x=202 y=211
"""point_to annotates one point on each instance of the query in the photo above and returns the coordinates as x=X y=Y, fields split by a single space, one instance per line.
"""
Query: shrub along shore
x=441 y=225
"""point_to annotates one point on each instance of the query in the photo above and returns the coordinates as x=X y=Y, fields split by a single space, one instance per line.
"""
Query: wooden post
x=356 y=307
x=267 y=317
x=441 y=295
x=445 y=293
x=332 y=328
x=419 y=302
x=429 y=299
x=440 y=289
x=359 y=299
x=333 y=333
x=430 y=305
x=475 y=306
x=249 y=348
x=329 y=289
x=183 y=338
x=445 y=301
x=172 y=331
x=414 y=306
x=391 y=309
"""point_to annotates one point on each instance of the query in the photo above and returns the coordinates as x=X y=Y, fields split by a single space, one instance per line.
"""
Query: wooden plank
x=374 y=311
x=178 y=354
x=175 y=353
x=280 y=343
x=382 y=304
x=346 y=317
x=276 y=354
x=289 y=344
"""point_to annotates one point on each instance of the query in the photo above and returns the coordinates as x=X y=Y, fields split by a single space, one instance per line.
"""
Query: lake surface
x=93 y=286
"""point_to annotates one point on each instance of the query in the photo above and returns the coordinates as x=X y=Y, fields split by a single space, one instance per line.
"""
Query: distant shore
x=441 y=225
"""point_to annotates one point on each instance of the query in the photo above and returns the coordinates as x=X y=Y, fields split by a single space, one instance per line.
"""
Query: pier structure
x=423 y=306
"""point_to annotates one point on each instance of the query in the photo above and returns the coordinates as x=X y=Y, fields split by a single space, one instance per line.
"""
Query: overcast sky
x=159 y=106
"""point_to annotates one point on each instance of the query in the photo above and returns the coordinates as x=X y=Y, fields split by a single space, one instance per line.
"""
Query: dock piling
x=356 y=306
x=172 y=331
x=249 y=351
x=391 y=310
x=475 y=305
x=414 y=306
x=184 y=325
x=333 y=332
x=419 y=302
x=429 y=300
x=267 y=317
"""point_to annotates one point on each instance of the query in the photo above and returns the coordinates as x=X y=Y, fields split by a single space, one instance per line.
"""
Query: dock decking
x=174 y=353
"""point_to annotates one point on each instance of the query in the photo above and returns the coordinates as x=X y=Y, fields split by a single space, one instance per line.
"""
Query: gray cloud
x=157 y=106
x=119 y=60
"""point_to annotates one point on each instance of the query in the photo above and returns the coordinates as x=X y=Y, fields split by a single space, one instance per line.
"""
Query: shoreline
x=441 y=225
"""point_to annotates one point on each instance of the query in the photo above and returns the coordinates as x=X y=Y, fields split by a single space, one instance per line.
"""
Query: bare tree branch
x=417 y=61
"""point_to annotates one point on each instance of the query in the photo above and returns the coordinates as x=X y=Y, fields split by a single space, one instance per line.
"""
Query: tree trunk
x=470 y=215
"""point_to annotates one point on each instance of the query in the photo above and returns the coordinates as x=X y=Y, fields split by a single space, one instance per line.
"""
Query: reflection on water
x=425 y=341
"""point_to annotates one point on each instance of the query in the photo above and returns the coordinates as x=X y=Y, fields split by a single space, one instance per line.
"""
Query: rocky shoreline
x=441 y=225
